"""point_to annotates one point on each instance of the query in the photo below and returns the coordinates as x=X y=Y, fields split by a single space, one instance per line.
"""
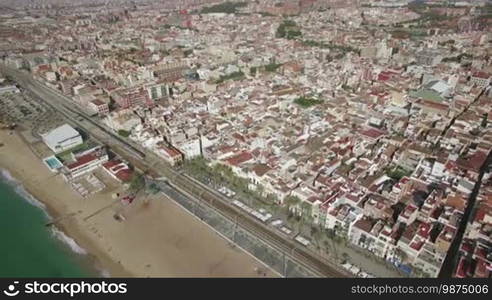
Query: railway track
x=149 y=161
x=299 y=253
x=74 y=113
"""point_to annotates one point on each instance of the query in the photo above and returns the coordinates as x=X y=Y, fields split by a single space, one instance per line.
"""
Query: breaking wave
x=68 y=241
x=105 y=273
x=19 y=189
x=7 y=177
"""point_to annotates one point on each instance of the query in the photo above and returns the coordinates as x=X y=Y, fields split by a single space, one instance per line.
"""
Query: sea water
x=28 y=248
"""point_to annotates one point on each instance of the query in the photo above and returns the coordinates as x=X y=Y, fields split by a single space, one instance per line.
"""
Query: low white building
x=85 y=162
x=62 y=138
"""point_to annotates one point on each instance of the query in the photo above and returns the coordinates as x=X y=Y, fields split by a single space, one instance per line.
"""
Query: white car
x=276 y=223
x=285 y=230
x=354 y=270
x=363 y=274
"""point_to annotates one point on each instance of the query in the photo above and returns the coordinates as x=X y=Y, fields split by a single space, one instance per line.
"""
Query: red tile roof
x=482 y=75
x=481 y=269
x=124 y=175
x=240 y=158
x=98 y=102
x=424 y=230
x=417 y=244
x=171 y=151
x=474 y=162
x=461 y=269
x=364 y=224
x=373 y=133
x=261 y=169
x=83 y=160
x=119 y=169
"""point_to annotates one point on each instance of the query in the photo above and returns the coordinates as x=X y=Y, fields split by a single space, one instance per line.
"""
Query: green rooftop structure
x=427 y=95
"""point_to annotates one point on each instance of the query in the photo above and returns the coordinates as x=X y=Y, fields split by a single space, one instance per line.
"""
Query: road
x=147 y=161
x=452 y=255
x=450 y=262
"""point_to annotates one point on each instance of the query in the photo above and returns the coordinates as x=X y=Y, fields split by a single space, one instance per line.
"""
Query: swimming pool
x=52 y=163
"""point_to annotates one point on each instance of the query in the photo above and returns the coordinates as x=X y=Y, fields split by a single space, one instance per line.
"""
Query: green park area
x=232 y=76
x=307 y=102
x=288 y=29
x=272 y=67
x=226 y=7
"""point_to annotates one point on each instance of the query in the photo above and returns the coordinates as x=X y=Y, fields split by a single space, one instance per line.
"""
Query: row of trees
x=232 y=76
x=299 y=213
x=222 y=175
x=272 y=67
x=333 y=46
x=226 y=7
x=397 y=173
x=307 y=101
x=457 y=58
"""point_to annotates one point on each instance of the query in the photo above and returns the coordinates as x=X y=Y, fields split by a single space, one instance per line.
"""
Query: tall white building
x=190 y=148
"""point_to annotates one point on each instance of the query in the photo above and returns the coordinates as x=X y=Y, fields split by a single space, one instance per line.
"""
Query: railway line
x=148 y=161
x=278 y=240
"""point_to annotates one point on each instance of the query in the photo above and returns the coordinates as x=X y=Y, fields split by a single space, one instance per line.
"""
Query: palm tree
x=306 y=209
x=137 y=183
x=260 y=190
x=316 y=235
x=291 y=201
x=402 y=255
x=345 y=256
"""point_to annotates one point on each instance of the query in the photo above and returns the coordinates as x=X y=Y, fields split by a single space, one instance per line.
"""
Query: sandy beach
x=157 y=239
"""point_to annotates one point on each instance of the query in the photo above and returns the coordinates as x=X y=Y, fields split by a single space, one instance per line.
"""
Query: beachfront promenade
x=144 y=160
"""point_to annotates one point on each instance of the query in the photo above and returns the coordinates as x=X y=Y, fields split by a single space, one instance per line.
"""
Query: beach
x=156 y=239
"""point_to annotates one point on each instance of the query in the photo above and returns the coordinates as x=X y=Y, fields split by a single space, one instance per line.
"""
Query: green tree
x=226 y=7
x=288 y=29
x=260 y=189
x=306 y=209
x=402 y=255
x=272 y=198
x=123 y=133
x=137 y=182
x=484 y=120
x=316 y=233
x=292 y=201
x=306 y=102
x=153 y=188
x=345 y=256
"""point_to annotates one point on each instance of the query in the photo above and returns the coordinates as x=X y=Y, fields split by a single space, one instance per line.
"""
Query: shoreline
x=177 y=245
x=96 y=261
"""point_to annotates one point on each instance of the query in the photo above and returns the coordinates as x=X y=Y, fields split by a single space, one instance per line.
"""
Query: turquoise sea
x=27 y=247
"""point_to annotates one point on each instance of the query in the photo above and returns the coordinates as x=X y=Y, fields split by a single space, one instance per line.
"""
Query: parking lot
x=22 y=108
x=19 y=107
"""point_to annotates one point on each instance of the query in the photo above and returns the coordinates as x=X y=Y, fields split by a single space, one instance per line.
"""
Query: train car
x=302 y=240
